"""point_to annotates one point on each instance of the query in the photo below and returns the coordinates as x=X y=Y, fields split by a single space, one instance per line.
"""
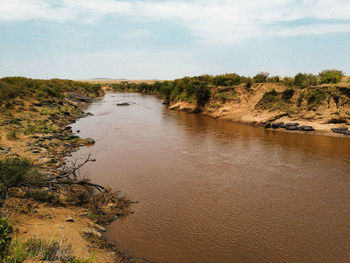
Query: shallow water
x=214 y=191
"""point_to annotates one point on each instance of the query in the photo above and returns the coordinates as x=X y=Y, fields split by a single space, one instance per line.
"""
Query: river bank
x=229 y=113
x=34 y=130
x=307 y=100
x=251 y=107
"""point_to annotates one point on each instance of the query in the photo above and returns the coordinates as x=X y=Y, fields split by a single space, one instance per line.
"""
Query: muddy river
x=214 y=191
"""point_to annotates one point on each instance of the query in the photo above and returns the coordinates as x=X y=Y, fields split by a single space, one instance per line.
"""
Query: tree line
x=198 y=88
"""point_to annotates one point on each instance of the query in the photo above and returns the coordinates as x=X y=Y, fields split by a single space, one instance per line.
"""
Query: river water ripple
x=214 y=191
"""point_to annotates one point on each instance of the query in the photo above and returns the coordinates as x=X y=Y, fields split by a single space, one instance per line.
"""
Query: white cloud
x=125 y=63
x=136 y=34
x=220 y=21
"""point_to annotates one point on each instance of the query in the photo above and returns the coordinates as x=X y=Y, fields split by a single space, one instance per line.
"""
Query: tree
x=261 y=77
x=202 y=94
x=304 y=80
x=331 y=76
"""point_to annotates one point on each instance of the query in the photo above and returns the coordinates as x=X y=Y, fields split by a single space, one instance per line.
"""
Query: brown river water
x=215 y=191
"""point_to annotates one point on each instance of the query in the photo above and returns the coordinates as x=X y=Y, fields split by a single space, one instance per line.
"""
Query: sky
x=167 y=39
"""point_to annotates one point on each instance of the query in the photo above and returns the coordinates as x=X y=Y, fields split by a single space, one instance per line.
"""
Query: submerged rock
x=78 y=97
x=197 y=110
x=89 y=141
x=123 y=104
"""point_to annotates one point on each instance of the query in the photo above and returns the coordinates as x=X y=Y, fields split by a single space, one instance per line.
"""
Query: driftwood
x=83 y=183
x=68 y=176
x=67 y=187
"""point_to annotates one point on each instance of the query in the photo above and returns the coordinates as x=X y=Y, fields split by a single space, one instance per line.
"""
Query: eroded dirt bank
x=275 y=103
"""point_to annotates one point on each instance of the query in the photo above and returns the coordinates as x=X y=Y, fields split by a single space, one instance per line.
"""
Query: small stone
x=69 y=219
x=120 y=196
x=85 y=214
x=91 y=232
x=89 y=141
x=100 y=228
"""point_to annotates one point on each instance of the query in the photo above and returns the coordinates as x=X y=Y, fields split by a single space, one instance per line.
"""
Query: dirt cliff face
x=324 y=106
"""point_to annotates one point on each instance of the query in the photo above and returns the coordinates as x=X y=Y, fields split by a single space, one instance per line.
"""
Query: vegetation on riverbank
x=319 y=99
x=36 y=184
x=12 y=88
x=200 y=89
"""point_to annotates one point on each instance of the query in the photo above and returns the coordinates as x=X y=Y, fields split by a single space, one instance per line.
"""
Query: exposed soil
x=247 y=106
x=37 y=130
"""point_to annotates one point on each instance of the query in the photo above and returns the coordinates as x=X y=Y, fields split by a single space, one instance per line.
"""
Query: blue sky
x=166 y=39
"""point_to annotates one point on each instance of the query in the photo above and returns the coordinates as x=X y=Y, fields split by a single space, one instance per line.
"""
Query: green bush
x=202 y=94
x=18 y=172
x=304 y=80
x=270 y=96
x=39 y=127
x=222 y=96
x=249 y=83
x=5 y=235
x=288 y=94
x=288 y=81
x=261 y=77
x=14 y=171
x=8 y=93
x=44 y=91
x=300 y=99
x=13 y=87
x=225 y=80
x=331 y=76
x=273 y=100
x=316 y=97
x=41 y=196
x=273 y=79
x=38 y=249
x=12 y=135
